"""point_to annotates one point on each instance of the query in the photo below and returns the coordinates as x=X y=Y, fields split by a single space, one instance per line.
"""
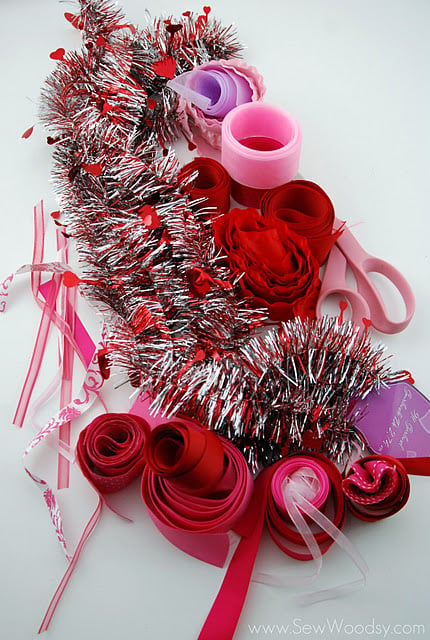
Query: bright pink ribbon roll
x=270 y=502
x=177 y=506
x=376 y=487
x=307 y=210
x=110 y=450
x=297 y=482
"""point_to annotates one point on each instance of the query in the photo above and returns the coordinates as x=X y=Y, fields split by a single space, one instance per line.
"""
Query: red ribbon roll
x=110 y=450
x=376 y=487
x=307 y=210
x=192 y=459
x=212 y=183
x=195 y=482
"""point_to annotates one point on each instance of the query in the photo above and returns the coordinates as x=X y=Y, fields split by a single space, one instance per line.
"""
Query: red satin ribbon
x=212 y=183
x=192 y=459
x=307 y=210
x=110 y=450
x=376 y=487
x=194 y=482
x=248 y=196
x=224 y=615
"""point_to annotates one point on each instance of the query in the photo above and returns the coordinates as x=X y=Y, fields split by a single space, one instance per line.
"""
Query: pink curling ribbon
x=298 y=492
x=110 y=450
x=195 y=482
x=376 y=487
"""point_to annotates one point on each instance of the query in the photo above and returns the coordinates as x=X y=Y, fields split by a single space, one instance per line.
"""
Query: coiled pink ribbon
x=295 y=492
x=196 y=486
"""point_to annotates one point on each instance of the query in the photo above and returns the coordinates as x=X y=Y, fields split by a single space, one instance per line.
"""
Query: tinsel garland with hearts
x=112 y=122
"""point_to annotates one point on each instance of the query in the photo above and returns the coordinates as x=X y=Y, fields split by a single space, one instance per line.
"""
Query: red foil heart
x=165 y=67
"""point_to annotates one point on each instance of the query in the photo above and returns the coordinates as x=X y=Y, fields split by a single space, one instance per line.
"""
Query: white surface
x=355 y=73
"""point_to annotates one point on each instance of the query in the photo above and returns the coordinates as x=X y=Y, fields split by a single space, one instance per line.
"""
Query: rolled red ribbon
x=212 y=183
x=377 y=486
x=192 y=459
x=315 y=478
x=307 y=210
x=195 y=482
x=110 y=450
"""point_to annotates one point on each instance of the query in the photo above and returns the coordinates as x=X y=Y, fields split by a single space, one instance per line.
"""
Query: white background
x=355 y=73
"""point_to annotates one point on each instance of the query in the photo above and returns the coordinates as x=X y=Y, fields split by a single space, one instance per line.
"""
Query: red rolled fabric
x=192 y=459
x=110 y=450
x=307 y=210
x=212 y=183
x=377 y=486
x=195 y=482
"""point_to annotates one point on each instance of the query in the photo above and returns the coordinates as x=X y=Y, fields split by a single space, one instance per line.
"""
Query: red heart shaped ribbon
x=307 y=210
x=212 y=183
x=376 y=487
x=110 y=450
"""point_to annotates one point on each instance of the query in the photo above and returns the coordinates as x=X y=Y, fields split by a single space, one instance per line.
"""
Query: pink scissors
x=366 y=302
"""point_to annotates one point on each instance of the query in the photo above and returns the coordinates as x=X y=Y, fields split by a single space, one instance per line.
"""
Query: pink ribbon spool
x=260 y=149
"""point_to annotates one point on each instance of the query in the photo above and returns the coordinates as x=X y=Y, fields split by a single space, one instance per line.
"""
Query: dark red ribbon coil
x=376 y=487
x=110 y=450
x=192 y=459
x=307 y=210
x=195 y=480
x=212 y=183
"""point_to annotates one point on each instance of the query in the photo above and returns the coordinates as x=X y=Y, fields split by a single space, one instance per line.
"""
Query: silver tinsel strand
x=113 y=120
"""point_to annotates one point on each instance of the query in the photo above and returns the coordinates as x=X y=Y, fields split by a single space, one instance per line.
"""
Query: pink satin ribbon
x=196 y=519
x=296 y=491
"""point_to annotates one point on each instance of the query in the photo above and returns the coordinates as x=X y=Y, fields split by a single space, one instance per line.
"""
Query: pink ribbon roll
x=303 y=486
x=195 y=482
x=110 y=450
x=376 y=487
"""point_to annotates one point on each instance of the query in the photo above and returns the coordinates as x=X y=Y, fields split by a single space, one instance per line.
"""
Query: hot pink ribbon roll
x=110 y=450
x=195 y=482
x=376 y=487
x=301 y=486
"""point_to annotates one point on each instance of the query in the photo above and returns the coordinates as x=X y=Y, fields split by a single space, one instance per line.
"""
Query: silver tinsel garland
x=112 y=121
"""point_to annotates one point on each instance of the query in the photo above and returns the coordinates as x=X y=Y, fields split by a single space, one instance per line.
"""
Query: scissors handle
x=363 y=263
x=334 y=283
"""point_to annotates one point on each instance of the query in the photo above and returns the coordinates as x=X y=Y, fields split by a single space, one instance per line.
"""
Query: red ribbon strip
x=307 y=210
x=110 y=450
x=376 y=487
x=212 y=183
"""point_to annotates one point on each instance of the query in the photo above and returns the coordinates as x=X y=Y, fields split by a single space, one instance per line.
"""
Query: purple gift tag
x=395 y=421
